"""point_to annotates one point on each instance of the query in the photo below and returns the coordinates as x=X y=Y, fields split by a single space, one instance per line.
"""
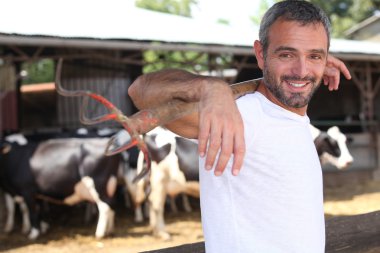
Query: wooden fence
x=349 y=234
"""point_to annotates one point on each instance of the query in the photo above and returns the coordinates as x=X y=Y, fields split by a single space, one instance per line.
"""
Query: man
x=276 y=202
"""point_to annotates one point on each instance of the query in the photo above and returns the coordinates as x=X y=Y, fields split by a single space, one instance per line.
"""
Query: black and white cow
x=332 y=147
x=63 y=171
x=175 y=166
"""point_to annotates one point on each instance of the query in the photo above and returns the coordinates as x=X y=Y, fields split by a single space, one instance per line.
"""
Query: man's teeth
x=297 y=85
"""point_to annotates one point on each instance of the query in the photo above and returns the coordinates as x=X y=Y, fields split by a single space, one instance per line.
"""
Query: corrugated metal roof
x=118 y=24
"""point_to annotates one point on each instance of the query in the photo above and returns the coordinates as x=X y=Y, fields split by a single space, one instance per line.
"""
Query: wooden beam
x=356 y=80
x=376 y=87
x=352 y=234
x=348 y=234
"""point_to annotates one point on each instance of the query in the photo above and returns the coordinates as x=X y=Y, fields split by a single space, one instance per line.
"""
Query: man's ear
x=258 y=48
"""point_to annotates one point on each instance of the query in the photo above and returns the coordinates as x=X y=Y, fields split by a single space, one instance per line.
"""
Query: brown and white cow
x=174 y=171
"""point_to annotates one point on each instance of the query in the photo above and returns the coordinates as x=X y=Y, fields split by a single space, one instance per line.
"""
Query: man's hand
x=220 y=128
x=331 y=76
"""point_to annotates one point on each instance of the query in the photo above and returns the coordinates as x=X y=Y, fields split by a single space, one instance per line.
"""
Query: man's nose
x=300 y=68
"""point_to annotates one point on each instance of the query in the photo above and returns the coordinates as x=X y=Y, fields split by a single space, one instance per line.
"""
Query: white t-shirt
x=275 y=204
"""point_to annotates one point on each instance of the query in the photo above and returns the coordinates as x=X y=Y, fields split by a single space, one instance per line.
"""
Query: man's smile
x=297 y=84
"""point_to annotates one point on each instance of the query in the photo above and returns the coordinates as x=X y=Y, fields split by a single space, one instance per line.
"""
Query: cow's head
x=332 y=148
x=157 y=152
x=13 y=139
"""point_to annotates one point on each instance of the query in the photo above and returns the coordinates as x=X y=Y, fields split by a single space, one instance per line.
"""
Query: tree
x=40 y=71
x=343 y=14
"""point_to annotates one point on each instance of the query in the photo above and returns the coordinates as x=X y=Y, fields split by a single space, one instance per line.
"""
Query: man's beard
x=296 y=99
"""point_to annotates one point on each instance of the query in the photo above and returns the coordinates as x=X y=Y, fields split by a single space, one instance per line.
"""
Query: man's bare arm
x=217 y=124
x=218 y=121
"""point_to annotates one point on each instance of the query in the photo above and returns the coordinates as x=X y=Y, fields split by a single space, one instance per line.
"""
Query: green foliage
x=157 y=60
x=177 y=7
x=41 y=71
x=343 y=14
x=223 y=21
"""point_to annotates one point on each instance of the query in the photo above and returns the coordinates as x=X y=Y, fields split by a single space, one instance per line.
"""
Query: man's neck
x=266 y=92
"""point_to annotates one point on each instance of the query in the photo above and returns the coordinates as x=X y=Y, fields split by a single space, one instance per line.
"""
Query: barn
x=107 y=51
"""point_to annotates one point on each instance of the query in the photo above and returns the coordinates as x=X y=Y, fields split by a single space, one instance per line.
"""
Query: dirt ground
x=69 y=234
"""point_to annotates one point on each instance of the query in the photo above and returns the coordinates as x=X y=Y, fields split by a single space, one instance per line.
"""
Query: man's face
x=294 y=63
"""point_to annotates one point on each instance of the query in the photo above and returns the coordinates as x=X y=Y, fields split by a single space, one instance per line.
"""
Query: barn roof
x=117 y=24
x=362 y=25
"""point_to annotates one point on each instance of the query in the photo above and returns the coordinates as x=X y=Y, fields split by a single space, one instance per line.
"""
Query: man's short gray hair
x=299 y=11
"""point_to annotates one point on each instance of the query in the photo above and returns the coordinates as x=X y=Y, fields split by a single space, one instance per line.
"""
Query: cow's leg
x=25 y=215
x=146 y=208
x=106 y=214
x=90 y=212
x=135 y=195
x=157 y=202
x=2 y=208
x=10 y=211
x=141 y=203
x=137 y=190
x=34 y=215
x=173 y=204
x=139 y=217
x=110 y=222
x=186 y=203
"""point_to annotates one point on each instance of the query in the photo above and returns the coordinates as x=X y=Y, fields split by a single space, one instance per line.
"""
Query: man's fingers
x=219 y=123
x=203 y=136
x=213 y=148
x=239 y=152
x=339 y=65
x=342 y=68
x=225 y=152
x=346 y=72
x=325 y=80
x=333 y=75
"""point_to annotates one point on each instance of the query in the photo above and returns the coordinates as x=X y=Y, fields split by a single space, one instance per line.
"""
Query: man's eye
x=285 y=56
x=315 y=57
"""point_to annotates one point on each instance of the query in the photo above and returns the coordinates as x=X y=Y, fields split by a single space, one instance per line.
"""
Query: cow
x=332 y=147
x=10 y=201
x=175 y=166
x=174 y=170
x=63 y=171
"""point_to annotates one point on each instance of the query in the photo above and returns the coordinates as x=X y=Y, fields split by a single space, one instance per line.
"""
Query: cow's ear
x=333 y=131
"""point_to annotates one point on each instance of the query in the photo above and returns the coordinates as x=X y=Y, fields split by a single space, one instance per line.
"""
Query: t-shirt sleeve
x=250 y=110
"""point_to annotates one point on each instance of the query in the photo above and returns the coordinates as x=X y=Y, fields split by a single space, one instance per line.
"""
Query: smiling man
x=293 y=62
x=275 y=204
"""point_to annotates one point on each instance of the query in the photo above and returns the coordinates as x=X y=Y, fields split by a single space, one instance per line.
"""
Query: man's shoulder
x=249 y=103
